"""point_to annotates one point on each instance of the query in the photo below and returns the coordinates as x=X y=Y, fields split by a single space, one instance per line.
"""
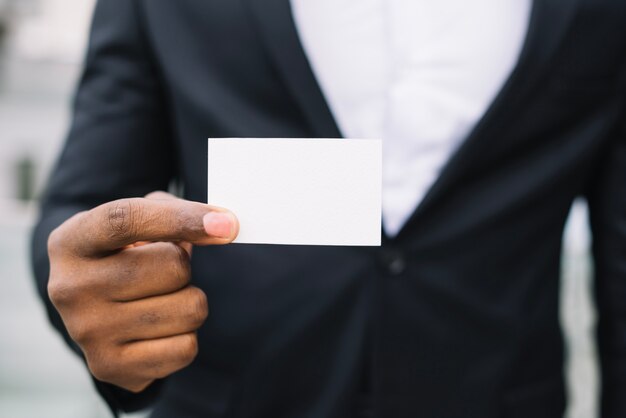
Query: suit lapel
x=280 y=37
x=549 y=22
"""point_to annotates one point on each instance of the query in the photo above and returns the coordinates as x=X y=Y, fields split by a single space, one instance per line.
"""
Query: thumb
x=161 y=195
x=215 y=223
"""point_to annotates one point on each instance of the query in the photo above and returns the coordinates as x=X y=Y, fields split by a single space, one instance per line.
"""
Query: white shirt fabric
x=419 y=74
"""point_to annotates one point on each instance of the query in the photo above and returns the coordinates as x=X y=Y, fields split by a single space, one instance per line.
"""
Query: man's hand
x=119 y=277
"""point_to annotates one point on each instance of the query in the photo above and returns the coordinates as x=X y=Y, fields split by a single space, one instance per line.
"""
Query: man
x=495 y=116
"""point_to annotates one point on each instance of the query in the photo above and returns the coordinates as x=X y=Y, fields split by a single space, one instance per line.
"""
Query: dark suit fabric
x=457 y=316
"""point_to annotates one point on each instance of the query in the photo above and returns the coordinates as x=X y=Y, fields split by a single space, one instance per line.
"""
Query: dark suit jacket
x=456 y=317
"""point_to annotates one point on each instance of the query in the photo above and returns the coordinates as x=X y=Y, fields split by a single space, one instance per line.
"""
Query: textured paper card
x=299 y=191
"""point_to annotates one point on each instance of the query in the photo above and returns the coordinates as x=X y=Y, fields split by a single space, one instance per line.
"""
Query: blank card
x=299 y=191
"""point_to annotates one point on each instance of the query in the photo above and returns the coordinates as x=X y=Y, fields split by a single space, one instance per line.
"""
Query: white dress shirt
x=419 y=74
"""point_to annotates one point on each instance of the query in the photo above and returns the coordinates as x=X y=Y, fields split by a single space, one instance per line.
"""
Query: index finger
x=117 y=224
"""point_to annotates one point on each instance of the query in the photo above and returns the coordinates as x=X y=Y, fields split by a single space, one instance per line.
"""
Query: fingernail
x=218 y=224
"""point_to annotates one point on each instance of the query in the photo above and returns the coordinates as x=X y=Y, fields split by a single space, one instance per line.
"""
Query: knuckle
x=110 y=366
x=127 y=271
x=60 y=239
x=100 y=367
x=154 y=367
x=150 y=318
x=102 y=373
x=184 y=219
x=179 y=262
x=82 y=332
x=60 y=292
x=123 y=216
x=188 y=348
x=55 y=241
x=199 y=306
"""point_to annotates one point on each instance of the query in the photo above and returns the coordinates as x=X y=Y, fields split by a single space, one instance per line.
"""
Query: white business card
x=299 y=191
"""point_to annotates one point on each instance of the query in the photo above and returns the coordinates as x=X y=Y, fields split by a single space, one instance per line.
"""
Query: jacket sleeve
x=607 y=206
x=119 y=145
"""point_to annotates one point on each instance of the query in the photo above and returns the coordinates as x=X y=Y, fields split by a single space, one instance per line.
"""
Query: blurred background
x=41 y=48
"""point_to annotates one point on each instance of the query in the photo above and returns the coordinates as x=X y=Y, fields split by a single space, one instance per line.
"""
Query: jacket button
x=397 y=265
x=393 y=262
